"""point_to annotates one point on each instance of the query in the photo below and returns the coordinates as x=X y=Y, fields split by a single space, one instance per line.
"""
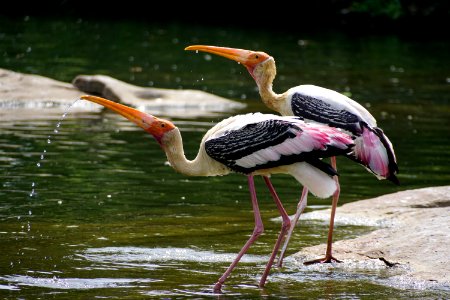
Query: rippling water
x=110 y=219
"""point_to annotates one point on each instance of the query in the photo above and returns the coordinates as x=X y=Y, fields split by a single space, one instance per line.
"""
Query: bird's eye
x=256 y=56
x=163 y=125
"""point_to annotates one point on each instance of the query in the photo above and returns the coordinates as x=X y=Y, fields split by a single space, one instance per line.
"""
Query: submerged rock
x=186 y=103
x=25 y=96
x=412 y=241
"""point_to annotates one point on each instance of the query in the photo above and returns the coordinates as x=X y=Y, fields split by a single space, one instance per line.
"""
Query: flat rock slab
x=167 y=102
x=28 y=96
x=412 y=242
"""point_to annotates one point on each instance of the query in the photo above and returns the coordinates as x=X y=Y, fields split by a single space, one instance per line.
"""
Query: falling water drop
x=196 y=51
x=42 y=156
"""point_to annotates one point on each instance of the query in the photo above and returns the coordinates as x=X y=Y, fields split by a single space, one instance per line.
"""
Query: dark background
x=412 y=17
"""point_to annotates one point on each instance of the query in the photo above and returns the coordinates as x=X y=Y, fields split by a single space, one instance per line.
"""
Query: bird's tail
x=318 y=182
x=374 y=151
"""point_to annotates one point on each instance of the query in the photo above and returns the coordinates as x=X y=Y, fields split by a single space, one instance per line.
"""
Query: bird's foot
x=326 y=259
x=218 y=288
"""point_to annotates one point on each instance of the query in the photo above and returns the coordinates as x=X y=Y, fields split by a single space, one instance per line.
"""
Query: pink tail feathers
x=374 y=150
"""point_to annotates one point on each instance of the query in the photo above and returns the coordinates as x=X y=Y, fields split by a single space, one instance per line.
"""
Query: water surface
x=111 y=219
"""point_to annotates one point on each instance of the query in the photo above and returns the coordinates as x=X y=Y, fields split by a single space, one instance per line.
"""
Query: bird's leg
x=328 y=256
x=300 y=208
x=257 y=231
x=284 y=227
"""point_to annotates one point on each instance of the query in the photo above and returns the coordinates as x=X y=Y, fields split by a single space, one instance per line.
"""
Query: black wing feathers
x=319 y=111
x=236 y=144
x=247 y=140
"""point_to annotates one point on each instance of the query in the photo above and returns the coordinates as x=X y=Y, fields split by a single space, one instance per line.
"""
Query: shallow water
x=110 y=219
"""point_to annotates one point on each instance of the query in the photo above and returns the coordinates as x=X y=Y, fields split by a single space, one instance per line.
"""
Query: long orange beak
x=250 y=59
x=153 y=125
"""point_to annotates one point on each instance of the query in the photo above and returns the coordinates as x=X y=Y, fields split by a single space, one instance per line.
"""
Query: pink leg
x=258 y=230
x=284 y=227
x=300 y=208
x=328 y=255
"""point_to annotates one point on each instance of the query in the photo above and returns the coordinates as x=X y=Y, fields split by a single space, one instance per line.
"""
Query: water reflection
x=74 y=283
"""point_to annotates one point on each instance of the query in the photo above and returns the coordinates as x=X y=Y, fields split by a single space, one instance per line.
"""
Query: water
x=108 y=217
x=49 y=141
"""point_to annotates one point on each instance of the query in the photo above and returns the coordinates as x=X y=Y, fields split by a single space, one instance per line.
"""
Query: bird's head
x=153 y=125
x=249 y=59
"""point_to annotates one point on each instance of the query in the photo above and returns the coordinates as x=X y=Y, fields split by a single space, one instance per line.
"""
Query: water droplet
x=42 y=156
x=45 y=151
x=109 y=196
x=55 y=131
x=196 y=51
x=30 y=213
x=64 y=115
x=38 y=165
x=58 y=124
x=59 y=202
x=49 y=141
x=33 y=184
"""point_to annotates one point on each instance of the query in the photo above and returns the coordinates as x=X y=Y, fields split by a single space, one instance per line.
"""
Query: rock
x=413 y=238
x=185 y=103
x=25 y=87
x=24 y=96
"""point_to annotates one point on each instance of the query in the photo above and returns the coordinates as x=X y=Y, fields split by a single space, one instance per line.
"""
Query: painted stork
x=251 y=144
x=373 y=149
